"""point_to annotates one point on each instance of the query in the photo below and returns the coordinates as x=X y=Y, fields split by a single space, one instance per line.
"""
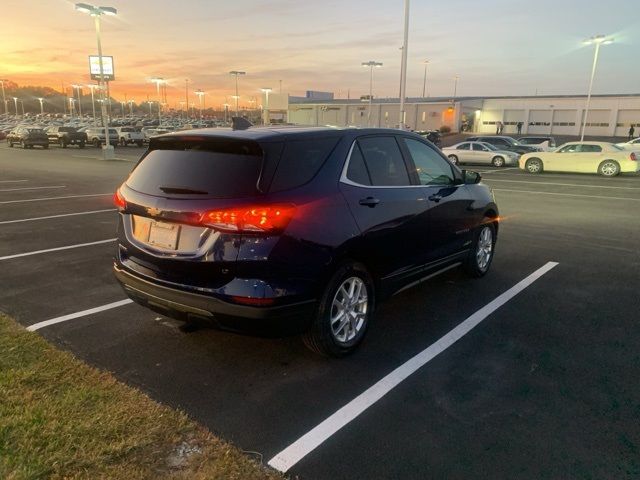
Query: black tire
x=454 y=159
x=498 y=161
x=96 y=142
x=321 y=338
x=123 y=142
x=22 y=144
x=473 y=265
x=45 y=146
x=609 y=168
x=81 y=145
x=10 y=144
x=534 y=165
x=139 y=143
x=63 y=144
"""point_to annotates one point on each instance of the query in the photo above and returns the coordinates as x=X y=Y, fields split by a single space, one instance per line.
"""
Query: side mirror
x=471 y=178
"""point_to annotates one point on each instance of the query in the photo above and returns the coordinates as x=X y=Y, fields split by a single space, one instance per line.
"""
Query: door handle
x=369 y=202
x=435 y=197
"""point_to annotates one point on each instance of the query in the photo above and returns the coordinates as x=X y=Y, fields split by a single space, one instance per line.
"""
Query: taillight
x=119 y=201
x=633 y=156
x=269 y=218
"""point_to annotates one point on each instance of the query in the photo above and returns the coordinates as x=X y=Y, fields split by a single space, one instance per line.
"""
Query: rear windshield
x=199 y=170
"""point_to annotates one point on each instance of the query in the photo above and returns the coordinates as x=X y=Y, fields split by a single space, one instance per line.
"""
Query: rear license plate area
x=164 y=235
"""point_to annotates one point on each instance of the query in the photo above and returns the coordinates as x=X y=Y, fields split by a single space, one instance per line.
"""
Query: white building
x=609 y=115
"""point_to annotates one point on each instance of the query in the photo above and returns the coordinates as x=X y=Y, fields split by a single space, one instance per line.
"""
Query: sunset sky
x=497 y=47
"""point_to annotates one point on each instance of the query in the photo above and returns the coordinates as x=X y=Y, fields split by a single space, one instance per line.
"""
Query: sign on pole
x=107 y=68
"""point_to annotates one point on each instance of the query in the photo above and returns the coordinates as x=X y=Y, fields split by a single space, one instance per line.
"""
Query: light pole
x=93 y=102
x=40 y=99
x=455 y=88
x=226 y=111
x=123 y=105
x=78 y=87
x=72 y=107
x=158 y=81
x=150 y=112
x=371 y=64
x=424 y=81
x=596 y=40
x=403 y=65
x=265 y=116
x=237 y=73
x=15 y=101
x=200 y=95
x=131 y=102
x=4 y=99
x=96 y=13
x=181 y=108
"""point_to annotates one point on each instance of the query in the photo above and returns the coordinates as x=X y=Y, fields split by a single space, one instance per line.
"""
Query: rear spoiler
x=240 y=123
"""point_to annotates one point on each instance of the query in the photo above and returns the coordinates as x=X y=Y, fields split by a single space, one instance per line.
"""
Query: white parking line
x=499 y=171
x=31 y=188
x=567 y=194
x=56 y=216
x=68 y=247
x=13 y=181
x=71 y=316
x=563 y=184
x=291 y=455
x=55 y=198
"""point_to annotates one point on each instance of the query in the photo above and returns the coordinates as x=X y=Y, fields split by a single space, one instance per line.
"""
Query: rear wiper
x=183 y=190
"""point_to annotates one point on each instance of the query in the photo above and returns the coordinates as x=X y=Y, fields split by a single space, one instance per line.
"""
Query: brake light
x=119 y=201
x=270 y=218
x=254 y=302
x=633 y=156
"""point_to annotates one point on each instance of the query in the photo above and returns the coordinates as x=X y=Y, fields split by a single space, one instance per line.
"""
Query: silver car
x=480 y=152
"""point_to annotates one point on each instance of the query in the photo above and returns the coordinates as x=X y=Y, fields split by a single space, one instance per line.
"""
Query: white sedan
x=630 y=145
x=480 y=152
x=604 y=158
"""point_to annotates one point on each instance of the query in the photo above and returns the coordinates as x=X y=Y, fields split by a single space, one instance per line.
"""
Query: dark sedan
x=295 y=229
x=505 y=143
x=28 y=137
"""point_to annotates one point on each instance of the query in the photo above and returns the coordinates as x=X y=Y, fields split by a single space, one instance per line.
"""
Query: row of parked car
x=27 y=136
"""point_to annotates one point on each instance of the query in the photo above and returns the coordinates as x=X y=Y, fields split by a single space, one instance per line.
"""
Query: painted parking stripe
x=567 y=194
x=291 y=455
x=31 y=188
x=13 y=181
x=57 y=249
x=56 y=216
x=563 y=184
x=498 y=171
x=55 y=198
x=71 y=316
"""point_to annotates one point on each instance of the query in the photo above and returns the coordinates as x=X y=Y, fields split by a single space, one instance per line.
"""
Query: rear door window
x=590 y=148
x=300 y=161
x=215 y=169
x=384 y=161
x=431 y=168
x=357 y=171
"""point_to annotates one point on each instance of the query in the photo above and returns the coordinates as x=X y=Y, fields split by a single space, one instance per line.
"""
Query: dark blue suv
x=270 y=230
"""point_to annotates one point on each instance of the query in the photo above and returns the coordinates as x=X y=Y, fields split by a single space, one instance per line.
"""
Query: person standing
x=632 y=132
x=498 y=128
x=519 y=128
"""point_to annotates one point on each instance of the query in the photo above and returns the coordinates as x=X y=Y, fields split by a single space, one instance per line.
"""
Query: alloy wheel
x=609 y=169
x=349 y=310
x=484 y=249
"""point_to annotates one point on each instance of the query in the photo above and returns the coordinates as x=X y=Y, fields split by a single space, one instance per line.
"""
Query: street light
x=371 y=64
x=91 y=87
x=158 y=81
x=596 y=40
x=131 y=102
x=72 y=107
x=455 y=88
x=237 y=73
x=200 y=95
x=4 y=100
x=15 y=101
x=424 y=81
x=40 y=99
x=78 y=87
x=265 y=115
x=96 y=13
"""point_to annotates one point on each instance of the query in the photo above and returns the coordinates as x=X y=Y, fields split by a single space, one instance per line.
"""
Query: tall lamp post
x=78 y=87
x=455 y=88
x=371 y=64
x=72 y=107
x=237 y=73
x=200 y=95
x=596 y=40
x=41 y=100
x=265 y=115
x=403 y=66
x=424 y=81
x=131 y=102
x=158 y=81
x=15 y=101
x=93 y=102
x=4 y=99
x=96 y=13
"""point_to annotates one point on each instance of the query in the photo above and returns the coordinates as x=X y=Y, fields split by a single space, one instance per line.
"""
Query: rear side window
x=300 y=161
x=384 y=161
x=590 y=148
x=357 y=171
x=199 y=170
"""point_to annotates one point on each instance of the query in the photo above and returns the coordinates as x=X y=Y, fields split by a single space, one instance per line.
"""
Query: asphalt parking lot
x=544 y=387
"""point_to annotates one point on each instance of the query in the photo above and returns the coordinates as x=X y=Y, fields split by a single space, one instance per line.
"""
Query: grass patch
x=60 y=418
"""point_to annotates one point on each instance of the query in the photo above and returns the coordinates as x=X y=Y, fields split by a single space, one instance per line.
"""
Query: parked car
x=65 y=136
x=295 y=229
x=505 y=143
x=28 y=137
x=545 y=143
x=434 y=136
x=96 y=136
x=479 y=152
x=150 y=132
x=129 y=136
x=630 y=145
x=604 y=158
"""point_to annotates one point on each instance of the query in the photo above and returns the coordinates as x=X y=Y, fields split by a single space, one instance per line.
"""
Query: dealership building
x=609 y=115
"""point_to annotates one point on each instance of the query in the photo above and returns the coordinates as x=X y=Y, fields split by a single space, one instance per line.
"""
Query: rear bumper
x=172 y=302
